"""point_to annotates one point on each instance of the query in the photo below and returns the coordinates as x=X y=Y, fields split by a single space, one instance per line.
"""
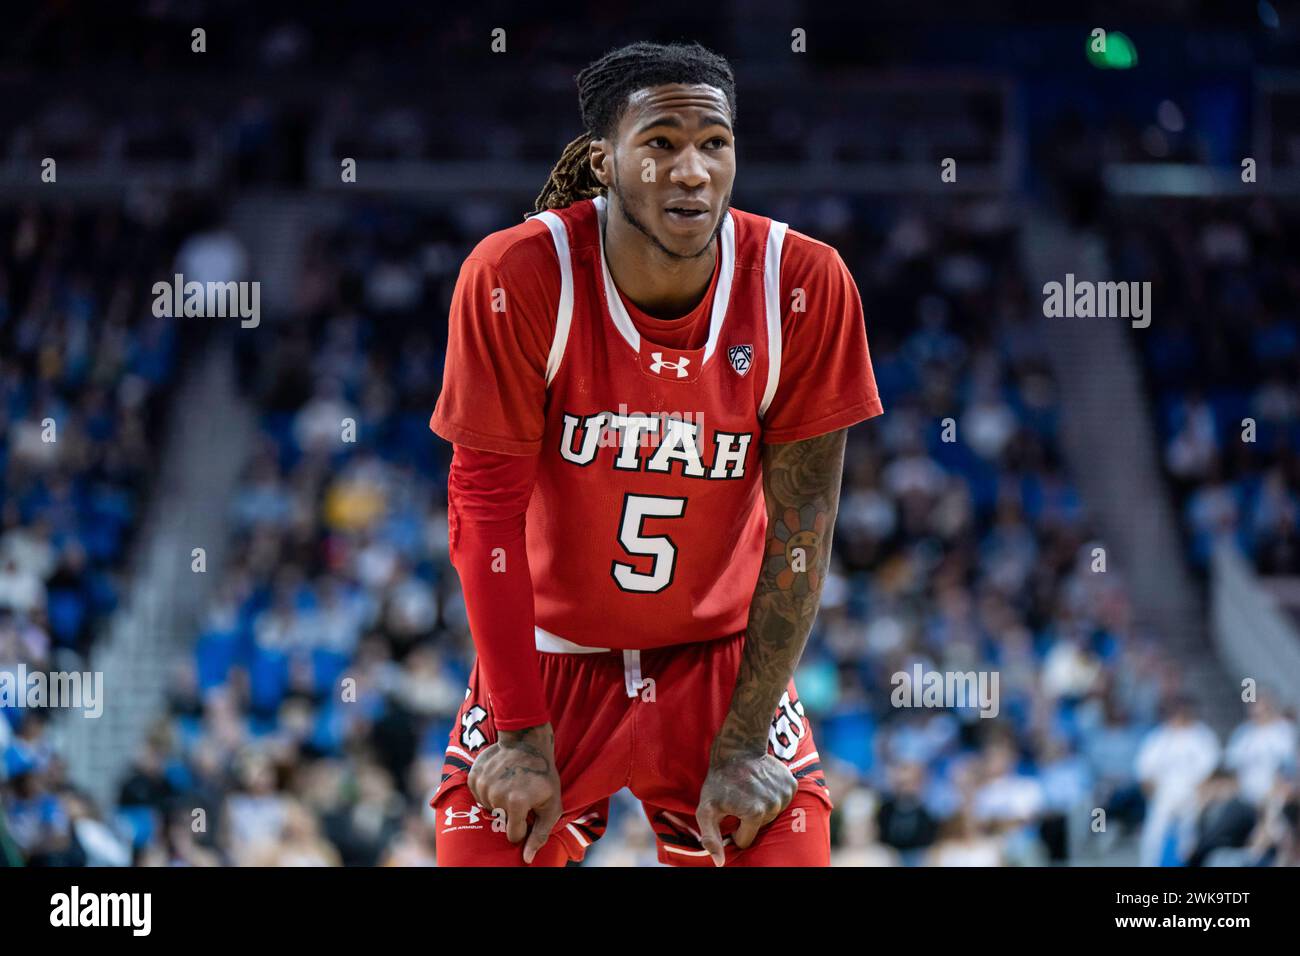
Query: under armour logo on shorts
x=469 y=816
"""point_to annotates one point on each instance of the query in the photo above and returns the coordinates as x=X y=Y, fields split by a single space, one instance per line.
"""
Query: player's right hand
x=517 y=775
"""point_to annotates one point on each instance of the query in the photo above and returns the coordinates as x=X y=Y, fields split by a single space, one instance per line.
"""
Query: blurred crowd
x=1223 y=362
x=85 y=371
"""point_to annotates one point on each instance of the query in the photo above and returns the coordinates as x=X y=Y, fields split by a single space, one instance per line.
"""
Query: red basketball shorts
x=655 y=743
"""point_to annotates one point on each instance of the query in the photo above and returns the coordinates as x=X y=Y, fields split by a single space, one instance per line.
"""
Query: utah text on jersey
x=672 y=437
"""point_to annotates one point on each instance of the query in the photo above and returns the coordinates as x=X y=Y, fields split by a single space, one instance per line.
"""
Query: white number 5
x=636 y=508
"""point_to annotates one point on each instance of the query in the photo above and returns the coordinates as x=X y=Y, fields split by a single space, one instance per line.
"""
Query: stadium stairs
x=1113 y=450
x=273 y=227
x=207 y=442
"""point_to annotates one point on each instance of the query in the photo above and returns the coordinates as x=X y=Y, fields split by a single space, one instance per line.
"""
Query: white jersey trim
x=721 y=296
x=582 y=840
x=564 y=313
x=802 y=760
x=554 y=644
x=772 y=302
x=453 y=749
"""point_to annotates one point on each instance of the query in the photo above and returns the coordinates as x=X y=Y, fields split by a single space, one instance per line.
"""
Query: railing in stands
x=1254 y=636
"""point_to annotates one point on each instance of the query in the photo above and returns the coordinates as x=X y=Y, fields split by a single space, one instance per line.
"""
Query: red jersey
x=647 y=524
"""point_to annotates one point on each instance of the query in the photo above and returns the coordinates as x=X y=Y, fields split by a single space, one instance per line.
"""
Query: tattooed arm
x=801 y=483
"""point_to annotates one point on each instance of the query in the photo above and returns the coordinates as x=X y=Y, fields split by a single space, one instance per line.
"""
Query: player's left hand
x=754 y=789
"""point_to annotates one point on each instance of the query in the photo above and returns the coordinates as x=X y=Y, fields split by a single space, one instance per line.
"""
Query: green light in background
x=1120 y=53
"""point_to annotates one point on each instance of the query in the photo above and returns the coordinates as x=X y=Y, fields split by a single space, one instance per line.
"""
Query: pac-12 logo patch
x=742 y=356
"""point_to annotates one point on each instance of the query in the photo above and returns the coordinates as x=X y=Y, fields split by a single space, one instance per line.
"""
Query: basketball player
x=647 y=392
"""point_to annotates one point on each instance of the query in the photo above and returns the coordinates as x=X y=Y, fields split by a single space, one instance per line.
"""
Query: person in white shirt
x=20 y=589
x=963 y=842
x=1172 y=761
x=1260 y=747
x=1007 y=797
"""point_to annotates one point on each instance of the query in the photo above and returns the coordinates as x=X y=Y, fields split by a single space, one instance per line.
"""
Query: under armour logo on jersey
x=741 y=356
x=658 y=364
x=469 y=816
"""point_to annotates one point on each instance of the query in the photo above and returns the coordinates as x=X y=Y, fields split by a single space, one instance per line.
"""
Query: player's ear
x=601 y=156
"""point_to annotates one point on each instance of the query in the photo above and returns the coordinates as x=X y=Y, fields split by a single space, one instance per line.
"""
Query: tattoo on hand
x=524 y=742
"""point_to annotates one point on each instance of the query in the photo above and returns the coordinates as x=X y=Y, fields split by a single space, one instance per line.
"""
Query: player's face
x=673 y=166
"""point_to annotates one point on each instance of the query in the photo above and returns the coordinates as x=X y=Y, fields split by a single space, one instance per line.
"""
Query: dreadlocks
x=603 y=90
